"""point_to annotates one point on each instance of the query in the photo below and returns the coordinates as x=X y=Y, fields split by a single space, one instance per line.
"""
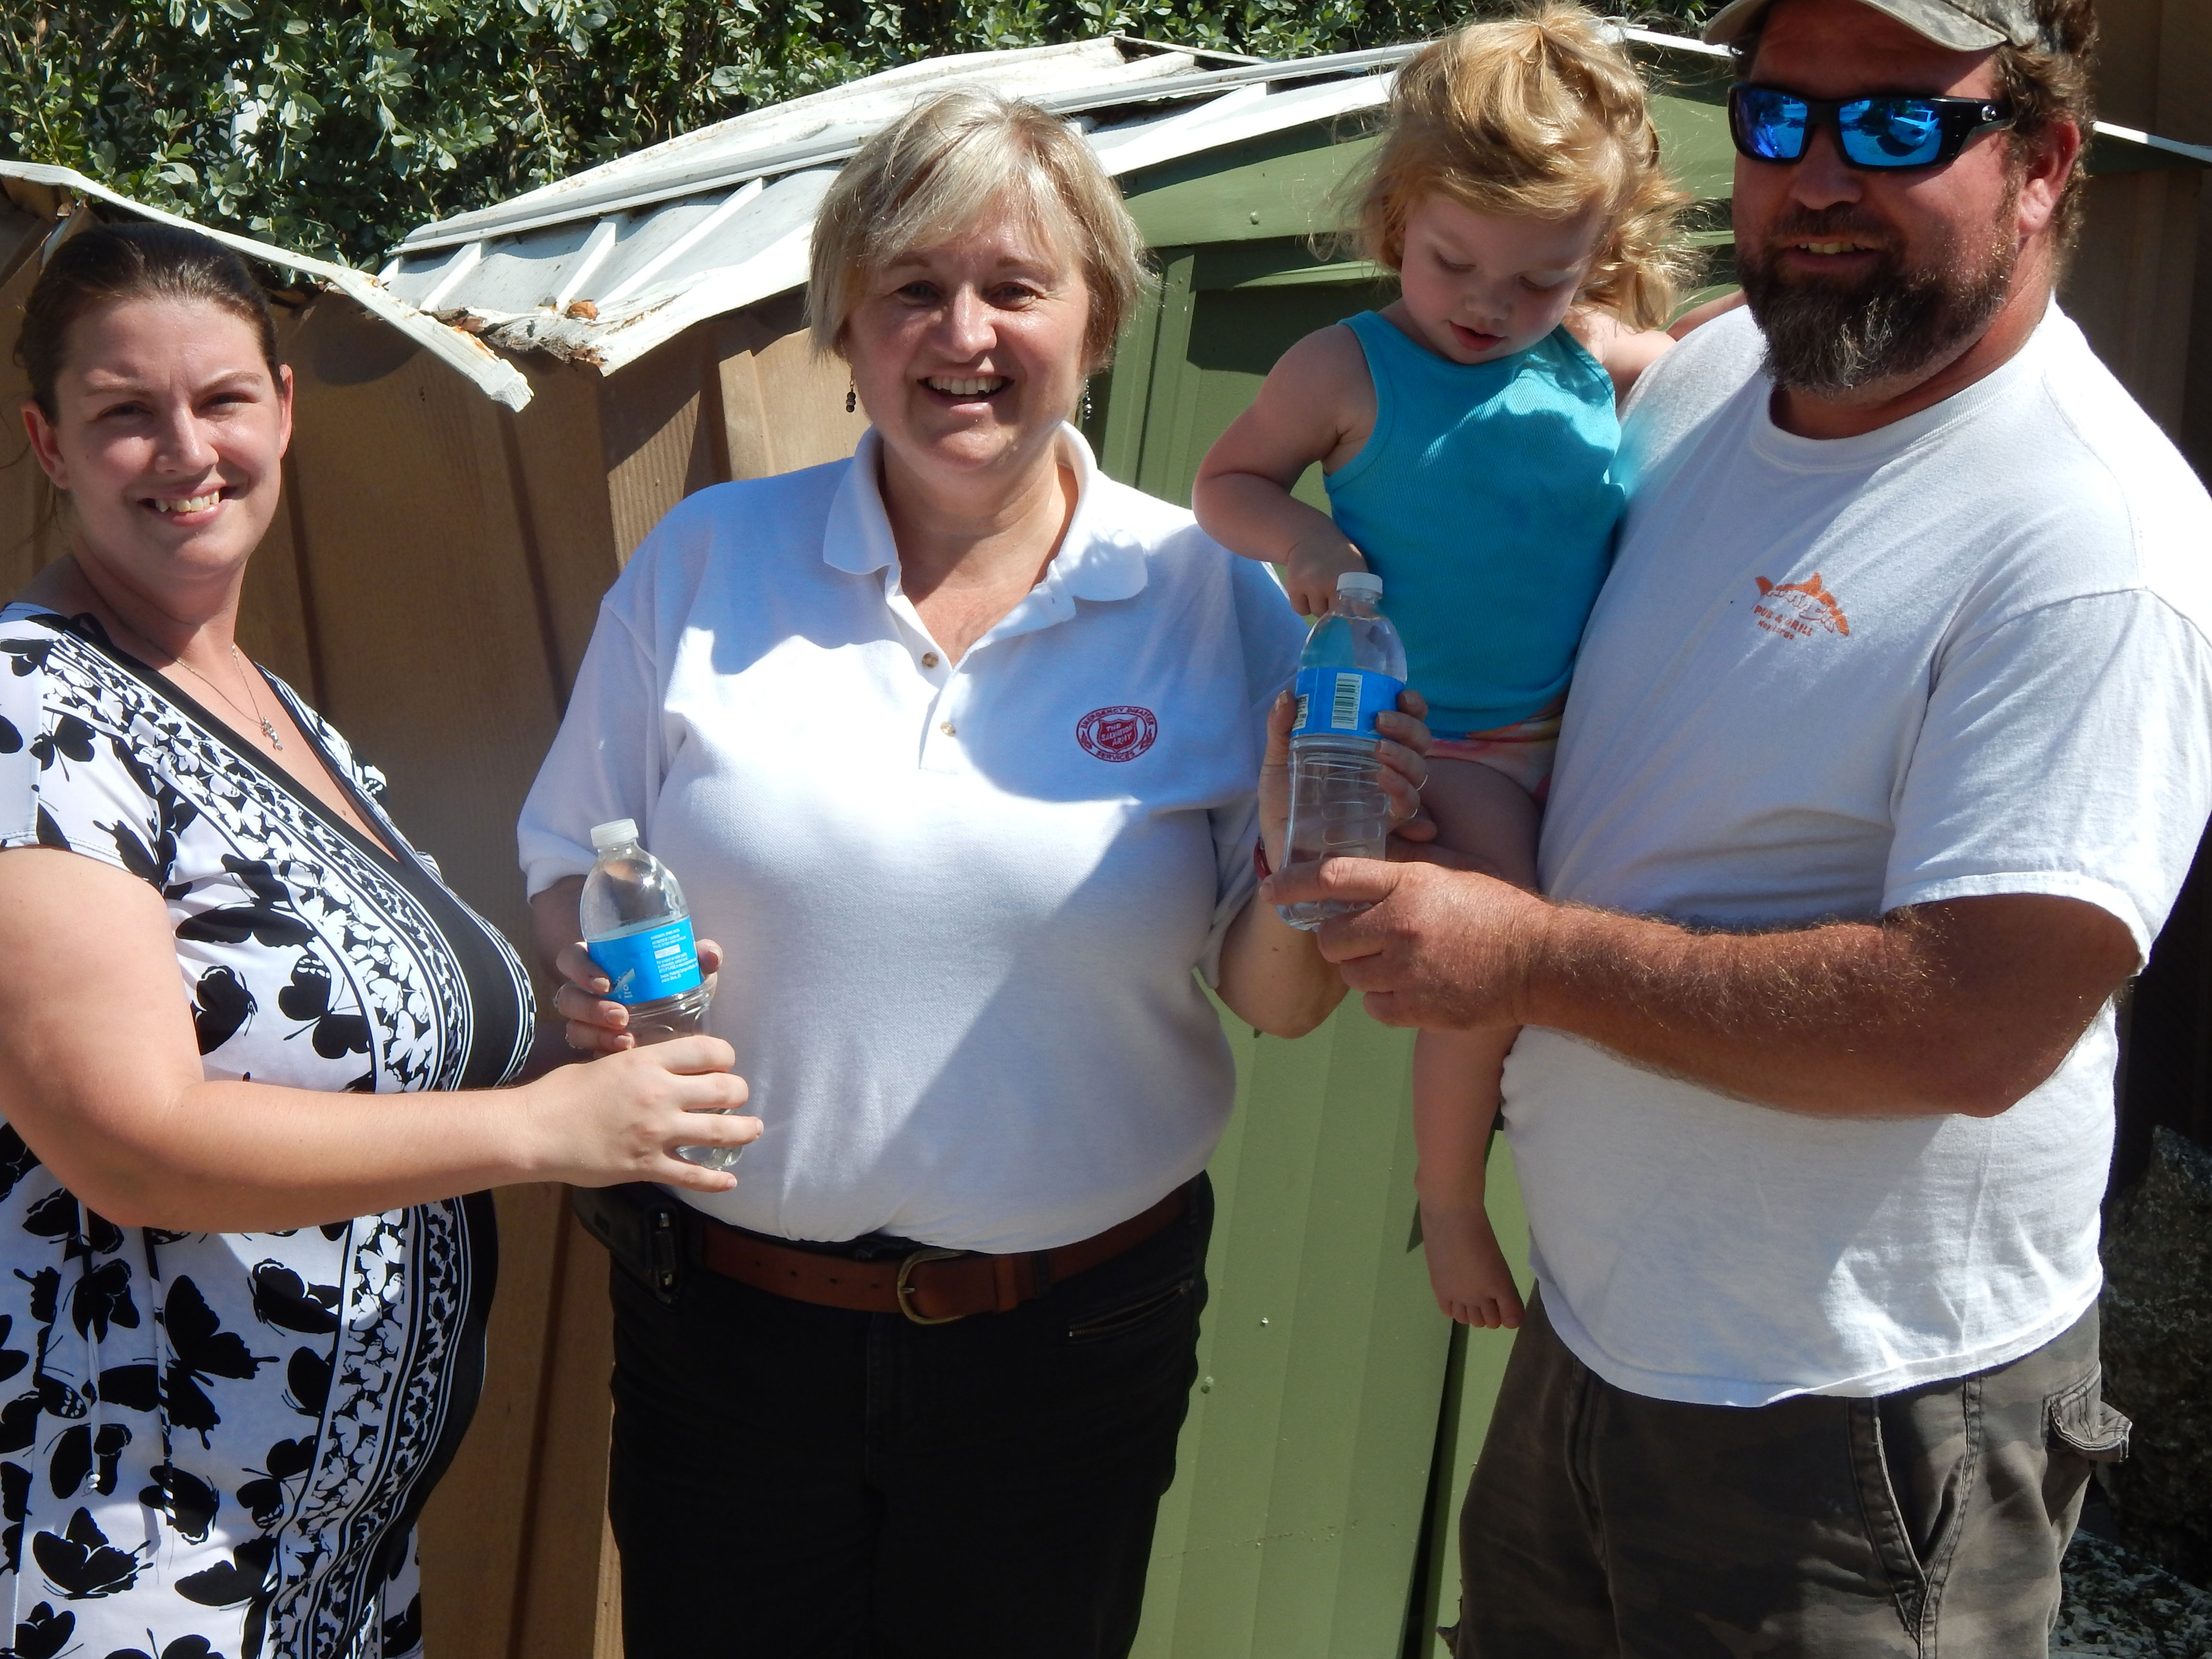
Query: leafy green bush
x=335 y=128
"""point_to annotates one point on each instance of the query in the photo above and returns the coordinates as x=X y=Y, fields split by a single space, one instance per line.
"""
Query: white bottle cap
x=620 y=833
x=1361 y=584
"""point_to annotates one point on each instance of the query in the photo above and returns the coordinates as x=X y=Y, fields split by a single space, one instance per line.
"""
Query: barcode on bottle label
x=1343 y=707
x=1342 y=701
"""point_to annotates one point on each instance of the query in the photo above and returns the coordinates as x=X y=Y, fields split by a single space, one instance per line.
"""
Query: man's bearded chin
x=1831 y=337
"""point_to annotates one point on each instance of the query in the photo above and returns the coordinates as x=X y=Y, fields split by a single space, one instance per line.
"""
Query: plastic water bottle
x=637 y=929
x=1352 y=668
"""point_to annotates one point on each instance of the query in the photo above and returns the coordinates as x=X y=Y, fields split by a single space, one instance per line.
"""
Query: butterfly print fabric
x=215 y=1446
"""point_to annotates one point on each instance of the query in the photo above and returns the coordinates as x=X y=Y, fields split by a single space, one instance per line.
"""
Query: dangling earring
x=852 y=397
x=1085 y=419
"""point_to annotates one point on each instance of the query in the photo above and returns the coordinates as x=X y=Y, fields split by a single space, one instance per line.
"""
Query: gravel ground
x=2127 y=1607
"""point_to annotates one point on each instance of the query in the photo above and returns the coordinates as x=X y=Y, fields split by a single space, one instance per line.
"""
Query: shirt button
x=945 y=726
x=929 y=659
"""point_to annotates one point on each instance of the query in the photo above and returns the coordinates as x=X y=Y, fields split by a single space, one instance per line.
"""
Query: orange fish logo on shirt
x=1799 y=610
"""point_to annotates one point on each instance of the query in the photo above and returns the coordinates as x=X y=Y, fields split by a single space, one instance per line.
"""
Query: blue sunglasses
x=1770 y=124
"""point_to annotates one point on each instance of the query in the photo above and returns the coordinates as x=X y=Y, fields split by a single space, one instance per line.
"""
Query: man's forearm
x=1812 y=1020
x=1960 y=1005
x=1920 y=1014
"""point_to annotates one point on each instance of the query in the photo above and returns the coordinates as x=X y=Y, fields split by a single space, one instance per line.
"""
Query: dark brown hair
x=2049 y=82
x=2046 y=83
x=131 y=261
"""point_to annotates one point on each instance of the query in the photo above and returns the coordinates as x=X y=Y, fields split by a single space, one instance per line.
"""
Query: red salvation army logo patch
x=1117 y=734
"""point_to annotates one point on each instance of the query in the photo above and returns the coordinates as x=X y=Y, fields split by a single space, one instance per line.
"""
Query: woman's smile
x=193 y=510
x=958 y=389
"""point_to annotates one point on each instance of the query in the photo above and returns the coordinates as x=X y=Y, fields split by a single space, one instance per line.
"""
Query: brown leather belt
x=930 y=1286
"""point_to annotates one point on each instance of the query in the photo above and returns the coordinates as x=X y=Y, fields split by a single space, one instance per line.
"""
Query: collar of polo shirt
x=1091 y=564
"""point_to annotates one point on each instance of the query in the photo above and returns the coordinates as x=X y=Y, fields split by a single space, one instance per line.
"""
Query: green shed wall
x=1338 y=1412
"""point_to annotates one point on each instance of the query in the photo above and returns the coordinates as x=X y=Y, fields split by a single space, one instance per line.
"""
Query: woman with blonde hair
x=952 y=745
x=1466 y=433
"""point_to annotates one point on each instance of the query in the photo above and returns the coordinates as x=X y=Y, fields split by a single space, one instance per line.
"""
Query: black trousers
x=1924 y=1524
x=798 y=1482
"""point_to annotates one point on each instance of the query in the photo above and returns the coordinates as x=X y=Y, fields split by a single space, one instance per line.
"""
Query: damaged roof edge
x=491 y=373
x=615 y=192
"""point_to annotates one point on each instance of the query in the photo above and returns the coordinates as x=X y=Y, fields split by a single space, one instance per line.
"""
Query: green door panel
x=1309 y=1510
x=1295 y=1520
x=1293 y=183
x=1286 y=183
x=1236 y=337
x=1694 y=143
x=1476 y=1367
x=1337 y=1413
x=1193 y=359
x=1314 y=1509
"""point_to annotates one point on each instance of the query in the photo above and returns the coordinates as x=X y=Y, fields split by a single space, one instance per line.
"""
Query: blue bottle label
x=1342 y=701
x=649 y=964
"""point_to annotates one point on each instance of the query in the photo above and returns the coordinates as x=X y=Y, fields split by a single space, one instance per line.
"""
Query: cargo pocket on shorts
x=2081 y=1417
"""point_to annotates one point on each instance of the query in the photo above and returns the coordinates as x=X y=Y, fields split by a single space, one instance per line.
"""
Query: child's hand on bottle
x=1309 y=577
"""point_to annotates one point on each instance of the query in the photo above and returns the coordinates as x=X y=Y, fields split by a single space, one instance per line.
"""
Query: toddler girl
x=1466 y=433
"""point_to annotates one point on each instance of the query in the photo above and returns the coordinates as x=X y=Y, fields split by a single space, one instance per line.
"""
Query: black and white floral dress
x=218 y=1444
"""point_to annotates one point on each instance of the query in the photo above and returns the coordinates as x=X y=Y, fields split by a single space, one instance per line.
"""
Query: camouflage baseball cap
x=1962 y=25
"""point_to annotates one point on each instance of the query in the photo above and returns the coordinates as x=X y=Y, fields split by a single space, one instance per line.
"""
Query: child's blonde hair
x=1543 y=116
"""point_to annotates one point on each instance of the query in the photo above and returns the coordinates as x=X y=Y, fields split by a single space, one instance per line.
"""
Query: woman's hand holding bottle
x=623 y=1117
x=597 y=1024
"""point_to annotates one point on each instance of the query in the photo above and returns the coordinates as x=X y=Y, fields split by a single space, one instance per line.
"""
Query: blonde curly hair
x=1541 y=116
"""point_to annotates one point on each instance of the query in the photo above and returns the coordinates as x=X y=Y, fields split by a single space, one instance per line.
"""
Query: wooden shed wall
x=462 y=551
x=2158 y=76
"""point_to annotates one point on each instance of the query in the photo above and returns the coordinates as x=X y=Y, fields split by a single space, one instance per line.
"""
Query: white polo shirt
x=961 y=903
x=1963 y=654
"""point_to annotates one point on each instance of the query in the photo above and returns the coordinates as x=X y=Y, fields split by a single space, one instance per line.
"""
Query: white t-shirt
x=1963 y=654
x=960 y=904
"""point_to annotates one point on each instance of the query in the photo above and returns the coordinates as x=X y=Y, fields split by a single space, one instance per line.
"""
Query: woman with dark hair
x=248 y=1042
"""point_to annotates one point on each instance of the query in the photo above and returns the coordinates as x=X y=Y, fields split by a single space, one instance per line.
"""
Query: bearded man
x=1889 y=746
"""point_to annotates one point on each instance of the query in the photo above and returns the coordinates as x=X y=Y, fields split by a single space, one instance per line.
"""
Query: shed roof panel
x=606 y=265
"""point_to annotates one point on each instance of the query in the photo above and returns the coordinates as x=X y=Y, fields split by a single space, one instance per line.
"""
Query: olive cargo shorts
x=1602 y=1524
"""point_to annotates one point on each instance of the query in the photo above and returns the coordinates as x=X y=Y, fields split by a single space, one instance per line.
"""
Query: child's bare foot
x=1466 y=1270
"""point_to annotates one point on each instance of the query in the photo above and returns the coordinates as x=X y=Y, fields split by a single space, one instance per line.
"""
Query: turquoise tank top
x=1485 y=499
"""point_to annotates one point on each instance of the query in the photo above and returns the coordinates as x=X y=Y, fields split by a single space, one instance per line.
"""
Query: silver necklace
x=246 y=680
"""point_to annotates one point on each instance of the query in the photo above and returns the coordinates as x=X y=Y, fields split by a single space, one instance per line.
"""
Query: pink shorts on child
x=1523 y=751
